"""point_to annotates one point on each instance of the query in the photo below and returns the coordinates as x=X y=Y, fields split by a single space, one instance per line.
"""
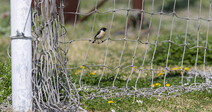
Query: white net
x=170 y=56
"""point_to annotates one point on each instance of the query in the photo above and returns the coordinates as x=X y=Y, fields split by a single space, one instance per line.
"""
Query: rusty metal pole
x=137 y=4
x=134 y=20
x=70 y=6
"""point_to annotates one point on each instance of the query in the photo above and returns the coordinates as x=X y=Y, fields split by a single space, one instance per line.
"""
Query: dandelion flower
x=179 y=68
x=186 y=68
x=134 y=67
x=78 y=71
x=153 y=85
x=160 y=74
x=75 y=73
x=174 y=68
x=92 y=73
x=110 y=101
x=168 y=85
x=157 y=84
x=81 y=66
x=179 y=72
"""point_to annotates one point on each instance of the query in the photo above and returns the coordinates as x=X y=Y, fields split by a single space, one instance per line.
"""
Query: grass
x=5 y=81
x=96 y=56
x=195 y=101
x=173 y=78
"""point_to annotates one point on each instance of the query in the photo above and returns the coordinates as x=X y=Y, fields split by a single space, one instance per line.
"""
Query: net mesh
x=52 y=89
x=69 y=67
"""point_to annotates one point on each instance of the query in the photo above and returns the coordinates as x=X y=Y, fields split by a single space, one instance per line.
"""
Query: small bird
x=100 y=35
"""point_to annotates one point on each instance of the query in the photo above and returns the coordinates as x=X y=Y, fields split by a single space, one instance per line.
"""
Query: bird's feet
x=103 y=40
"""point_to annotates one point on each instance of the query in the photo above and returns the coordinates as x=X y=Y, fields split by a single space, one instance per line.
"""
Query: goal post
x=21 y=55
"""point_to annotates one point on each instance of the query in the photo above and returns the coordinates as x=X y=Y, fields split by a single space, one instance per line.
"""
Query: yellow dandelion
x=162 y=70
x=78 y=71
x=174 y=68
x=179 y=72
x=168 y=85
x=92 y=73
x=134 y=67
x=186 y=68
x=81 y=66
x=75 y=73
x=153 y=85
x=110 y=101
x=157 y=84
x=160 y=74
x=179 y=68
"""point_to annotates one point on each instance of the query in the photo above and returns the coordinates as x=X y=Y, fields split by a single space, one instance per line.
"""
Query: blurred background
x=85 y=27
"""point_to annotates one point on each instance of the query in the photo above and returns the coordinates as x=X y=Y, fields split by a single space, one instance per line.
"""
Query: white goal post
x=21 y=49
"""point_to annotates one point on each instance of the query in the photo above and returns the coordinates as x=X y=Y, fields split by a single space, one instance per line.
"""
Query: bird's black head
x=103 y=28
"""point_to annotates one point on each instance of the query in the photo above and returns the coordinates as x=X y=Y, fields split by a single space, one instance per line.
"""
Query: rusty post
x=70 y=6
x=137 y=4
x=135 y=20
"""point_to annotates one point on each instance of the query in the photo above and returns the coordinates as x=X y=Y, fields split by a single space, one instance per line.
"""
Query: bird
x=100 y=35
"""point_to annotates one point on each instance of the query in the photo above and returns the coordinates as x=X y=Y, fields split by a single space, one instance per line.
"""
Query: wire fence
x=55 y=88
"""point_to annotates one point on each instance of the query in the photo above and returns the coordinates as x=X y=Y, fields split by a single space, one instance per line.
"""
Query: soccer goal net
x=161 y=49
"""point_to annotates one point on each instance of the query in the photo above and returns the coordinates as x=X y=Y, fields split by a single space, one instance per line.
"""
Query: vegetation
x=5 y=81
x=194 y=101
x=176 y=51
x=5 y=63
x=180 y=4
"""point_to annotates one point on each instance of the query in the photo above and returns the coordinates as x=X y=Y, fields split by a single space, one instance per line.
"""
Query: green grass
x=5 y=63
x=195 y=101
x=5 y=81
x=173 y=78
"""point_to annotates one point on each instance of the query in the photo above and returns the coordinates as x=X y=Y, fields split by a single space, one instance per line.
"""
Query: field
x=117 y=55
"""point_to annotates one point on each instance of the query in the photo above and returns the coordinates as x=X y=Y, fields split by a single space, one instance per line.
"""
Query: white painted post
x=21 y=48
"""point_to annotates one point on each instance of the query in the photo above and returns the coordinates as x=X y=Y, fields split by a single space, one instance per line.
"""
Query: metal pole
x=21 y=48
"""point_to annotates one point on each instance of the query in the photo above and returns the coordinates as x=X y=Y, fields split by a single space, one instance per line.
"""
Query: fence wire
x=54 y=87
